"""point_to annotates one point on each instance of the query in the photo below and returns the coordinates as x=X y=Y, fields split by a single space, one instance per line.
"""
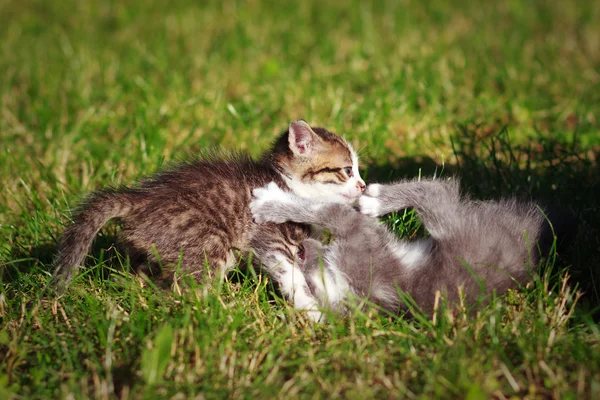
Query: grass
x=97 y=92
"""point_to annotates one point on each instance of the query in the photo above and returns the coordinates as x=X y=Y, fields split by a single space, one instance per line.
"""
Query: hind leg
x=202 y=249
x=213 y=265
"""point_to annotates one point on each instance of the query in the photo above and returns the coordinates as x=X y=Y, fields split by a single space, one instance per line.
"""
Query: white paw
x=315 y=316
x=264 y=200
x=309 y=307
x=373 y=190
x=370 y=206
x=271 y=192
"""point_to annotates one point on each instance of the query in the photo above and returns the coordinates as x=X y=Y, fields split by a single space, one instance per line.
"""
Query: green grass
x=98 y=92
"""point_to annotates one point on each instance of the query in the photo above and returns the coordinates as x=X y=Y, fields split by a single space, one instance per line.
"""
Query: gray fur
x=497 y=240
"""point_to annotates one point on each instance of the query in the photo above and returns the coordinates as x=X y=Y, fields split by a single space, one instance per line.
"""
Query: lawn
x=505 y=94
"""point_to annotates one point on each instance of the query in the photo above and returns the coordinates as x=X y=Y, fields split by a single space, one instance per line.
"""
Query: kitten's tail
x=90 y=217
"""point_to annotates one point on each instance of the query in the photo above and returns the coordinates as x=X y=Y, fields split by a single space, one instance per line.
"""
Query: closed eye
x=348 y=171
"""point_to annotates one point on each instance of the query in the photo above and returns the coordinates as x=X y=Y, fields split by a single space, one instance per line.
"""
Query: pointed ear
x=303 y=140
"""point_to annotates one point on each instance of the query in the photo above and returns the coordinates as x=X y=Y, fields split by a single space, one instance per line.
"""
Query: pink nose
x=360 y=185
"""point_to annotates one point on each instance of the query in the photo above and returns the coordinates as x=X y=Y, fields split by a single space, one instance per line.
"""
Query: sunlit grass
x=95 y=93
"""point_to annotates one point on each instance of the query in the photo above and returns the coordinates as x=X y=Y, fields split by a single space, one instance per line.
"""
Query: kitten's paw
x=271 y=193
x=315 y=316
x=264 y=200
x=260 y=210
x=370 y=206
x=309 y=307
x=263 y=213
x=373 y=190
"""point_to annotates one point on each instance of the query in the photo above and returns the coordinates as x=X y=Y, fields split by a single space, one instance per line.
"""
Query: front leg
x=271 y=204
x=424 y=195
x=379 y=200
x=437 y=203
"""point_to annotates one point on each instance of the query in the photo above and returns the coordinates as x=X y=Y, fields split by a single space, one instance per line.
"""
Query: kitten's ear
x=303 y=140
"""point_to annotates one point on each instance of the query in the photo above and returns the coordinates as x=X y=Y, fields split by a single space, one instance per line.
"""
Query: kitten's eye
x=301 y=253
x=348 y=171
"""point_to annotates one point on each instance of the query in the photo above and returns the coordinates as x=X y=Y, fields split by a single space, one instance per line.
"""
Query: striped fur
x=196 y=213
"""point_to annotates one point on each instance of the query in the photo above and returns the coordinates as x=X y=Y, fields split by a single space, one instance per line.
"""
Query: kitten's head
x=318 y=164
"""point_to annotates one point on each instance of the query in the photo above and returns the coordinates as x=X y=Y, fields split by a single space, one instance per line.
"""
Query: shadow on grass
x=552 y=172
x=41 y=258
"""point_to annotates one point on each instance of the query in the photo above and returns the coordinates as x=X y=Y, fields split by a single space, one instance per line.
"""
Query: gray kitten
x=196 y=214
x=479 y=246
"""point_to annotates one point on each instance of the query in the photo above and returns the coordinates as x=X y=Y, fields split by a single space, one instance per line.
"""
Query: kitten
x=481 y=246
x=197 y=213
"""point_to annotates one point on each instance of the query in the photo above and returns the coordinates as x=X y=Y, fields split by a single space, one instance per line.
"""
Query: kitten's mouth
x=301 y=254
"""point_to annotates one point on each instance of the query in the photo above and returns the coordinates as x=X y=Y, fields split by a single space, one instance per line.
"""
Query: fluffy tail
x=90 y=217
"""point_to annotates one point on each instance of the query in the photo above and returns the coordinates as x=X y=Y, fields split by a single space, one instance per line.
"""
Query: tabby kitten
x=481 y=246
x=197 y=213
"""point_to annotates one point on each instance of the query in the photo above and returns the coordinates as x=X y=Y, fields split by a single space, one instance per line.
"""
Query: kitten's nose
x=360 y=185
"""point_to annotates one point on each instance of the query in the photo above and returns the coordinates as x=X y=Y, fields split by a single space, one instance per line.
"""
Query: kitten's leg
x=293 y=285
x=276 y=246
x=211 y=265
x=271 y=204
x=437 y=202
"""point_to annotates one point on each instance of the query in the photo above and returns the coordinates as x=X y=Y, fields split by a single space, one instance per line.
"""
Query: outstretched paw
x=373 y=190
x=264 y=200
x=369 y=203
